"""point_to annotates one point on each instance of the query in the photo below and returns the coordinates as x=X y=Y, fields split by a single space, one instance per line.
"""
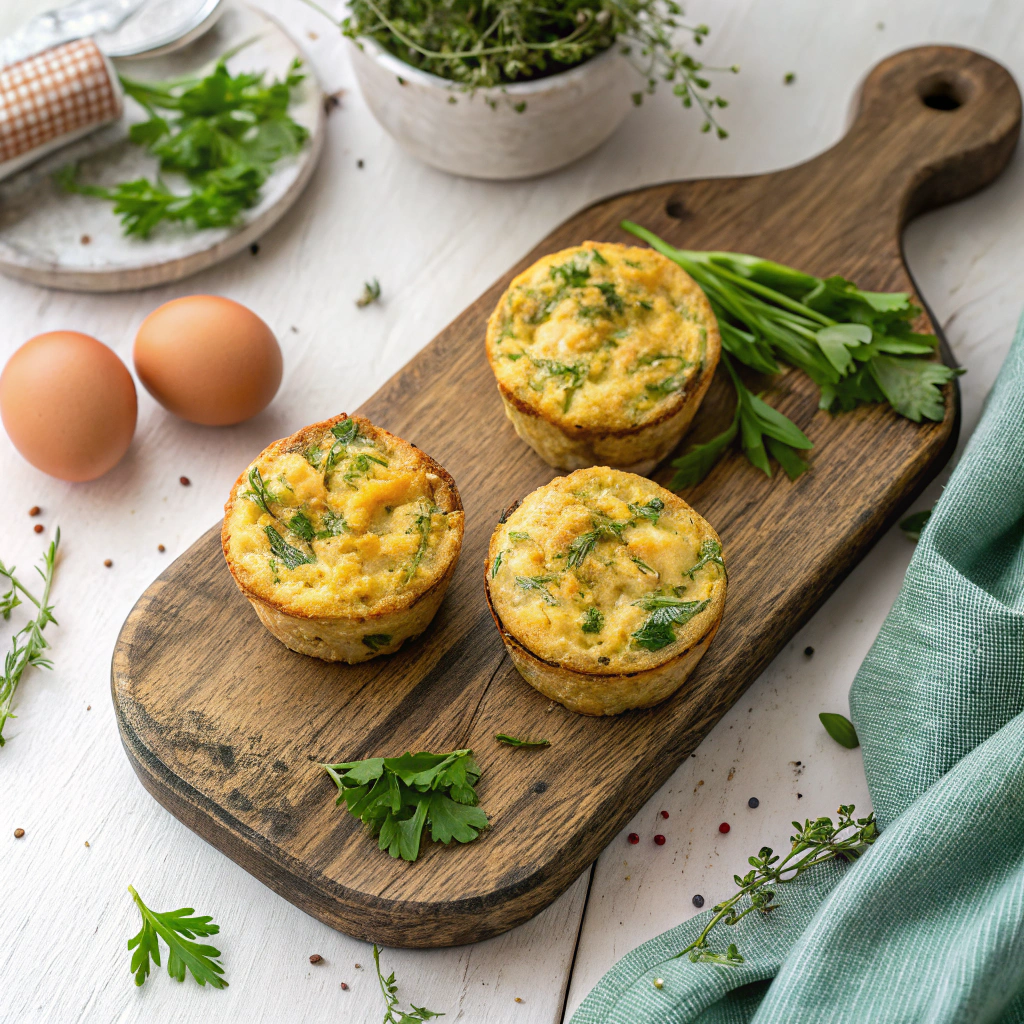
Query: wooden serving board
x=226 y=727
x=51 y=238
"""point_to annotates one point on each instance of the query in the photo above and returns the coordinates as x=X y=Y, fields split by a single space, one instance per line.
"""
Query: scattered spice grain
x=659 y=982
x=344 y=986
x=753 y=802
x=316 y=958
x=254 y=248
x=107 y=562
x=38 y=528
x=632 y=839
x=184 y=481
x=360 y=164
x=724 y=827
x=87 y=842
x=659 y=840
x=808 y=652
x=664 y=814
x=698 y=900
x=34 y=510
x=161 y=548
x=85 y=239
x=18 y=833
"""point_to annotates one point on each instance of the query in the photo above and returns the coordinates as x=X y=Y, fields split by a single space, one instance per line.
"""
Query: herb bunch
x=815 y=843
x=177 y=928
x=486 y=43
x=28 y=645
x=223 y=133
x=396 y=797
x=857 y=346
x=393 y=1014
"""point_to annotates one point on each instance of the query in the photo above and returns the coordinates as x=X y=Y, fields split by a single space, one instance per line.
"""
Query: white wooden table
x=63 y=776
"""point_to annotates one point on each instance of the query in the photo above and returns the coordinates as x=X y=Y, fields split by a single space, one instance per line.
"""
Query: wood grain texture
x=225 y=726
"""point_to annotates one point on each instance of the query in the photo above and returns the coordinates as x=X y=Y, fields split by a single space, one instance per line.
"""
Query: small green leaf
x=840 y=728
x=376 y=641
x=915 y=523
x=514 y=741
x=698 y=461
x=538 y=584
x=837 y=340
x=291 y=556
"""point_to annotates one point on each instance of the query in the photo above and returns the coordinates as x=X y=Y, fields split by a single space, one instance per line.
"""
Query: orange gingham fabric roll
x=65 y=91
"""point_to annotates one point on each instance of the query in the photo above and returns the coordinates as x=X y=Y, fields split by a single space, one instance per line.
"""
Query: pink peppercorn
x=724 y=827
x=633 y=838
x=664 y=814
x=659 y=840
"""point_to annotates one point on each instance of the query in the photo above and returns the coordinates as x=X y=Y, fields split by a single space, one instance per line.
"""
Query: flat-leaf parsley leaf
x=396 y=797
x=177 y=928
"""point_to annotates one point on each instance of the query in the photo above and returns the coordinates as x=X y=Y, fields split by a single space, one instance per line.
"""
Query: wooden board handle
x=933 y=124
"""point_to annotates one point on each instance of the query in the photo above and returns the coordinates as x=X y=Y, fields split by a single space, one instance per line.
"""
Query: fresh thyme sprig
x=815 y=843
x=857 y=346
x=177 y=928
x=28 y=644
x=393 y=1014
x=485 y=43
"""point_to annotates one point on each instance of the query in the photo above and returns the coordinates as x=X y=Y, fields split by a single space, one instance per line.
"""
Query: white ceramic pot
x=481 y=134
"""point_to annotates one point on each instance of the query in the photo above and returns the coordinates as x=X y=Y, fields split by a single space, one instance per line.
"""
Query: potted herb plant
x=514 y=88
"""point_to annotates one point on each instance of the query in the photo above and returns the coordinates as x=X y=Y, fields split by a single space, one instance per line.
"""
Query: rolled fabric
x=53 y=98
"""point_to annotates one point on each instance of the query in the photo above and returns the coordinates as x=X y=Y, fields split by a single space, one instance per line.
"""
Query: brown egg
x=208 y=359
x=68 y=404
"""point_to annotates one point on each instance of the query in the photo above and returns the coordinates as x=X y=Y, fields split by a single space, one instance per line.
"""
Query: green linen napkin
x=928 y=926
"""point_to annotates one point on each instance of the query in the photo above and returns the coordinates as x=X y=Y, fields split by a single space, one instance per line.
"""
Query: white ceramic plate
x=43 y=230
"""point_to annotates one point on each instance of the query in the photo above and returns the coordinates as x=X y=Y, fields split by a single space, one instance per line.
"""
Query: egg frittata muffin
x=344 y=539
x=606 y=588
x=603 y=354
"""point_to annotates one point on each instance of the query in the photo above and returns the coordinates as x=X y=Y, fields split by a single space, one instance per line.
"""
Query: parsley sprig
x=857 y=346
x=222 y=133
x=815 y=843
x=658 y=630
x=28 y=645
x=396 y=797
x=393 y=1014
x=177 y=928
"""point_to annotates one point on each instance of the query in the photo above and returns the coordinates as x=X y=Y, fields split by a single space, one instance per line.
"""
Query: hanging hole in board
x=942 y=94
x=676 y=209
